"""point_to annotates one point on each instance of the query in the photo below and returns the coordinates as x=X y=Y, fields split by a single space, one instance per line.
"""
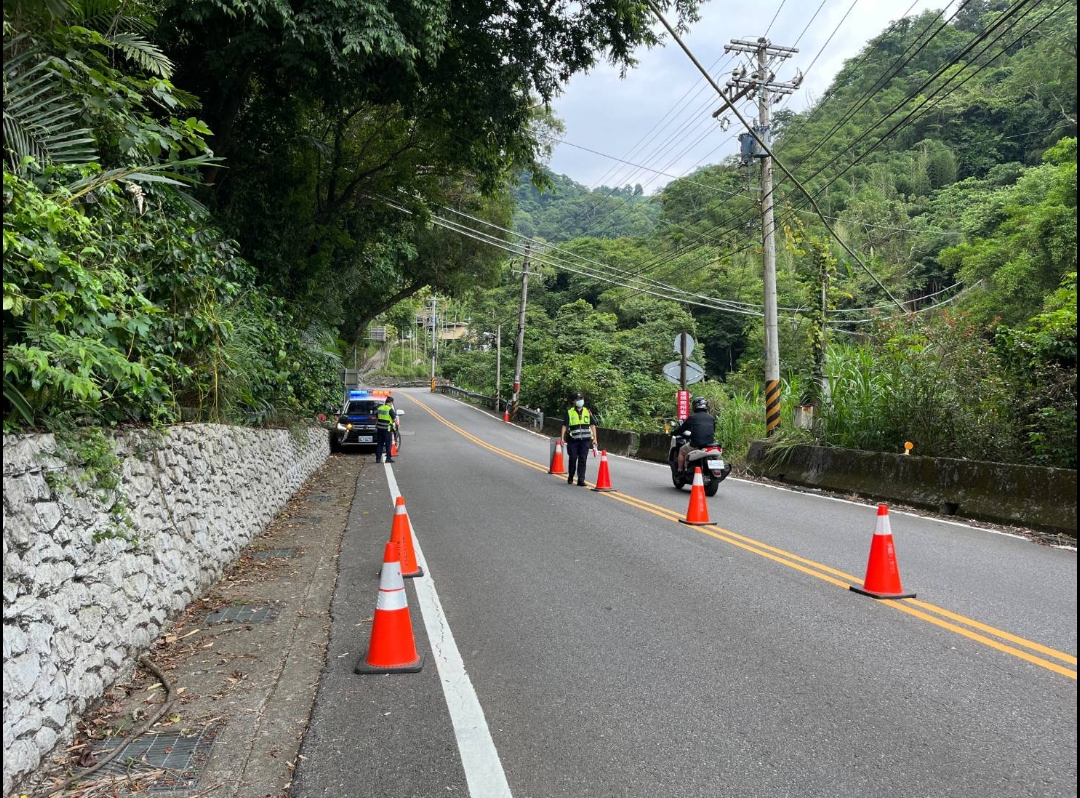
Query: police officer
x=385 y=423
x=579 y=432
x=700 y=425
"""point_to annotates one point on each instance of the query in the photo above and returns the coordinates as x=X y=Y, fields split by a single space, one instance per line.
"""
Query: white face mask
x=579 y=403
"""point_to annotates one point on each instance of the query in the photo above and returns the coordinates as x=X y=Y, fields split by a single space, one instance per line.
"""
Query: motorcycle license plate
x=365 y=439
x=716 y=466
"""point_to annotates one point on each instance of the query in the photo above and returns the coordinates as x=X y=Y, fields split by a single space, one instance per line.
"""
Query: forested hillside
x=944 y=155
x=566 y=210
x=206 y=203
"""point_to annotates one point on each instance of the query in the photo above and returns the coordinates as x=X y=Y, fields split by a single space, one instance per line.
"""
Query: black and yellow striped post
x=772 y=406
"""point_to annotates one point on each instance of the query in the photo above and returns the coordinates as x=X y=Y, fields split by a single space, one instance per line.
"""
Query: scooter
x=708 y=458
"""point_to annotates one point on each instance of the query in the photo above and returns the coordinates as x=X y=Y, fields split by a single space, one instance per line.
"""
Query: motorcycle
x=708 y=458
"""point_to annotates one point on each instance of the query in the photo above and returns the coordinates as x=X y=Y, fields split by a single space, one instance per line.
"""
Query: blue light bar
x=357 y=394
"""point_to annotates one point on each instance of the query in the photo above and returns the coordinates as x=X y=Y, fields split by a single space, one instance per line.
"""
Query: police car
x=356 y=424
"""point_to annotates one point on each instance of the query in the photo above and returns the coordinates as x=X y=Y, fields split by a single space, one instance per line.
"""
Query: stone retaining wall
x=77 y=613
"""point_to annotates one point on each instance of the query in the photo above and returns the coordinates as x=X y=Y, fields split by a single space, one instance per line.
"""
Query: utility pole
x=498 y=367
x=434 y=337
x=520 y=335
x=761 y=81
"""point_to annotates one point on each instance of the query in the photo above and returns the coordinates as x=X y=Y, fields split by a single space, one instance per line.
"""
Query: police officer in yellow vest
x=579 y=432
x=385 y=422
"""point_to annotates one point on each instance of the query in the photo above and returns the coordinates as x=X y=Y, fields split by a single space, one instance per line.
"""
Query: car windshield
x=361 y=407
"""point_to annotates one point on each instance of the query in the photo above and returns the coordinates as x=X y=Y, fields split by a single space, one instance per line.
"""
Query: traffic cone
x=401 y=535
x=557 y=466
x=603 y=479
x=393 y=448
x=392 y=648
x=506 y=415
x=882 y=573
x=697 y=514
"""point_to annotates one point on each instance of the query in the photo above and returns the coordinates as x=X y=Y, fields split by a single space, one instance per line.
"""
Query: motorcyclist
x=701 y=426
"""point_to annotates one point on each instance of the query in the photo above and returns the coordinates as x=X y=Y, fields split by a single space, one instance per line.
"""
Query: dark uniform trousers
x=577 y=454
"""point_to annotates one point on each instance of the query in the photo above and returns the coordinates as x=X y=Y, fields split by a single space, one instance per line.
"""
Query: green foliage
x=564 y=210
x=1041 y=359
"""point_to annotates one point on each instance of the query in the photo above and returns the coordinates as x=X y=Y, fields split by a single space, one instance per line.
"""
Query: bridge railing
x=535 y=418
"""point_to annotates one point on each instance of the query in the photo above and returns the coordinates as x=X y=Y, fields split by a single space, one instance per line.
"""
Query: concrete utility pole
x=520 y=335
x=434 y=337
x=761 y=81
x=498 y=367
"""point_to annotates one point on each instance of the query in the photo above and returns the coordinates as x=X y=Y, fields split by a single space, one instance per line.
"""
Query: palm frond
x=39 y=123
x=143 y=53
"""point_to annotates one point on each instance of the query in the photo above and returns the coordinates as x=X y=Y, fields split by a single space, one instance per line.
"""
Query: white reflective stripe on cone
x=697 y=478
x=392 y=599
x=883 y=526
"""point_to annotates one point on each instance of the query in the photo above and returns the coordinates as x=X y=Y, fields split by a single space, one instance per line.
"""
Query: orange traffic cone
x=697 y=514
x=557 y=466
x=401 y=535
x=393 y=448
x=392 y=648
x=603 y=479
x=506 y=415
x=882 y=573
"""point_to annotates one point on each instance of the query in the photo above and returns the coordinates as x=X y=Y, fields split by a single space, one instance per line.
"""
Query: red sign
x=683 y=402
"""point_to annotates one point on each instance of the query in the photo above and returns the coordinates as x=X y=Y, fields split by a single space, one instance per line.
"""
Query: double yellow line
x=1027 y=650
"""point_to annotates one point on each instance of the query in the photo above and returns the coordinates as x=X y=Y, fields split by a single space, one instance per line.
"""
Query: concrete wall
x=77 y=613
x=1012 y=494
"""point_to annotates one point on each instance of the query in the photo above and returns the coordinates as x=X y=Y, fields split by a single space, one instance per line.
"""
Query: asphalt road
x=616 y=652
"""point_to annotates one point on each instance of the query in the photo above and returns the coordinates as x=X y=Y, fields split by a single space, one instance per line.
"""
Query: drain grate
x=241 y=613
x=181 y=754
x=306 y=519
x=270 y=554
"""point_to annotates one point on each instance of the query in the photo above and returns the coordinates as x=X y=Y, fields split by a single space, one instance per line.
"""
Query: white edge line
x=479 y=757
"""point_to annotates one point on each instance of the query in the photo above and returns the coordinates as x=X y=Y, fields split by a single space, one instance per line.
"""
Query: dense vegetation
x=203 y=198
x=944 y=154
x=206 y=203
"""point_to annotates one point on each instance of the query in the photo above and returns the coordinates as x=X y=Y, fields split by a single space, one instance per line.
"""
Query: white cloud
x=660 y=115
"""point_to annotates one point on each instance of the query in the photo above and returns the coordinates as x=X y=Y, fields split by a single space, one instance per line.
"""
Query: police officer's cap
x=390 y=399
x=578 y=396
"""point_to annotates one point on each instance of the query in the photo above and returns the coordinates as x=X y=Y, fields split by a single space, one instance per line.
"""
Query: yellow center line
x=817 y=570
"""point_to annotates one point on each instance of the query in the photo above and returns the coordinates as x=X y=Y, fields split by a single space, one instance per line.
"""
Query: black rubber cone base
x=418 y=572
x=409 y=667
x=697 y=523
x=604 y=490
x=881 y=595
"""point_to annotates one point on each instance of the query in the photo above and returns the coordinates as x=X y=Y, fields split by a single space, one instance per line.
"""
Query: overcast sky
x=660 y=115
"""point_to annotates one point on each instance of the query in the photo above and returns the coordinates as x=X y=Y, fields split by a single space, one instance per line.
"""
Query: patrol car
x=356 y=423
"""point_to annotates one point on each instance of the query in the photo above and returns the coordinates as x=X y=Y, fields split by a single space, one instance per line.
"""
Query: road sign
x=689 y=343
x=683 y=404
x=694 y=372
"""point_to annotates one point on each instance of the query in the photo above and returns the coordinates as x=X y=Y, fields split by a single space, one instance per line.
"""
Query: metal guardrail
x=534 y=417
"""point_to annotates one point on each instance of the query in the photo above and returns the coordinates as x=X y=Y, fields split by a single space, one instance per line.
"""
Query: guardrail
x=534 y=417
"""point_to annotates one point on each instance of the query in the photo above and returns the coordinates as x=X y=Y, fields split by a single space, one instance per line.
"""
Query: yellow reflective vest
x=579 y=424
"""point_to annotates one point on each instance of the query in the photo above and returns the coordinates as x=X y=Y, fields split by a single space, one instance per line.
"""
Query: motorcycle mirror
x=400 y=413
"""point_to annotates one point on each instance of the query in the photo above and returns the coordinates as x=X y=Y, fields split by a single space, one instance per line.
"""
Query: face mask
x=579 y=403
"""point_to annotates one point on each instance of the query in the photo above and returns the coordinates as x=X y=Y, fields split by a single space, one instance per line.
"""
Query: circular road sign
x=689 y=343
x=694 y=372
